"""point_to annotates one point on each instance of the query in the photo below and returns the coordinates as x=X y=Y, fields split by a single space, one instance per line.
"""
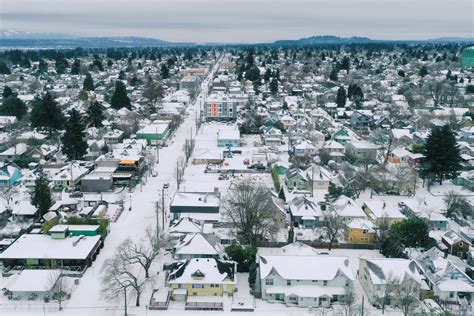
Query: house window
x=194 y=293
x=198 y=286
x=288 y=282
x=269 y=282
x=325 y=283
x=292 y=298
x=364 y=231
x=451 y=294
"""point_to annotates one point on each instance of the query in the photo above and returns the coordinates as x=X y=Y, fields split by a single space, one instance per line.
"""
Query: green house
x=467 y=60
x=153 y=134
x=63 y=231
x=296 y=179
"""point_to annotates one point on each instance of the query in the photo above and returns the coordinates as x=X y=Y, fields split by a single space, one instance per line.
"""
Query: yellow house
x=360 y=231
x=202 y=277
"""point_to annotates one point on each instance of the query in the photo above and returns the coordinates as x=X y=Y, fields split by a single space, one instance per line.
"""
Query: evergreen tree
x=12 y=106
x=4 y=70
x=333 y=74
x=165 y=72
x=41 y=196
x=268 y=74
x=76 y=67
x=7 y=91
x=95 y=114
x=46 y=113
x=346 y=63
x=42 y=66
x=88 y=84
x=120 y=98
x=341 y=97
x=423 y=71
x=74 y=139
x=252 y=74
x=442 y=157
x=274 y=87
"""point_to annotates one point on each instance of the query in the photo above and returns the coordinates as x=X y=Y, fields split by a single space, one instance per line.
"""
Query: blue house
x=228 y=138
x=10 y=175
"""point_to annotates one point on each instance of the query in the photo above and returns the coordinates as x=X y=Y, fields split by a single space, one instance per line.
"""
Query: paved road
x=142 y=215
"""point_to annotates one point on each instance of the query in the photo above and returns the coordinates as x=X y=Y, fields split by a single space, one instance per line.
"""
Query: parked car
x=76 y=194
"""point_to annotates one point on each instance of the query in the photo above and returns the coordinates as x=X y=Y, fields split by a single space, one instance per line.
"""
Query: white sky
x=242 y=20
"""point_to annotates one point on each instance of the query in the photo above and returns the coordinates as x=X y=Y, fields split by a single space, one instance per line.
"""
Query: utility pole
x=163 y=206
x=157 y=210
x=125 y=295
x=362 y=310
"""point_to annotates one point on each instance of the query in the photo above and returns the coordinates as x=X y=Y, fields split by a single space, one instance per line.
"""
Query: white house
x=380 y=276
x=303 y=281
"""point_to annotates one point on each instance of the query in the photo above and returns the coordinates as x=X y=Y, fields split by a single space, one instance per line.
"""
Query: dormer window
x=198 y=274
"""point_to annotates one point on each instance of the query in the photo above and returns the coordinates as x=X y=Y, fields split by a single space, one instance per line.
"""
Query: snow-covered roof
x=362 y=224
x=186 y=225
x=44 y=247
x=383 y=209
x=227 y=134
x=33 y=281
x=384 y=270
x=305 y=267
x=195 y=244
x=196 y=199
x=346 y=207
x=203 y=271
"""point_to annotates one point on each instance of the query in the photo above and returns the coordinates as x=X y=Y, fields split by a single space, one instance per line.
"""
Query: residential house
x=305 y=148
x=196 y=245
x=319 y=177
x=69 y=176
x=113 y=137
x=361 y=120
x=335 y=150
x=379 y=278
x=456 y=245
x=415 y=208
x=296 y=179
x=362 y=150
x=382 y=212
x=228 y=138
x=467 y=134
x=446 y=280
x=305 y=212
x=303 y=280
x=360 y=231
x=14 y=153
x=347 y=209
x=202 y=277
x=10 y=175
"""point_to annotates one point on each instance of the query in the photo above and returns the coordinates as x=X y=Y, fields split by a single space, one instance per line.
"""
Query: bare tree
x=406 y=295
x=248 y=207
x=144 y=251
x=153 y=91
x=188 y=148
x=8 y=193
x=334 y=225
x=179 y=171
x=118 y=275
x=349 y=300
x=437 y=91
x=59 y=287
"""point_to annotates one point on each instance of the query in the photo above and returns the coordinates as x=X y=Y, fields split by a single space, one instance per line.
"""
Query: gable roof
x=305 y=267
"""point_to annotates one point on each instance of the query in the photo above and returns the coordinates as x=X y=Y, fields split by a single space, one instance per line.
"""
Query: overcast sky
x=242 y=20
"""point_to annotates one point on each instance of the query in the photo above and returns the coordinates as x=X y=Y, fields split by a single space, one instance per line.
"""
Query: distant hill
x=330 y=39
x=10 y=38
x=324 y=39
x=14 y=39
